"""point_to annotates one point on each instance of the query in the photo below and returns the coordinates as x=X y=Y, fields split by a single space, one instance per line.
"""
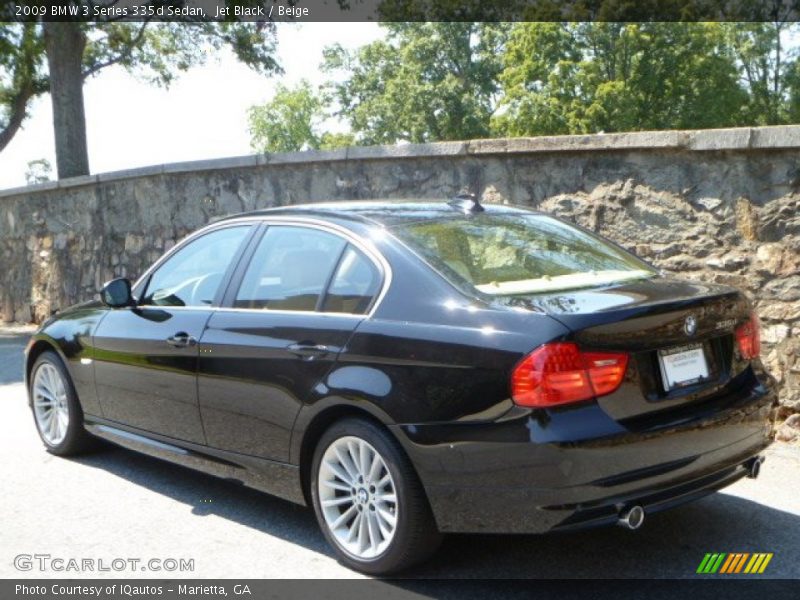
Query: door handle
x=181 y=340
x=308 y=351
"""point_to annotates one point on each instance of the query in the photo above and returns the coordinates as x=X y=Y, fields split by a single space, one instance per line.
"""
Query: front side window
x=290 y=269
x=520 y=254
x=192 y=276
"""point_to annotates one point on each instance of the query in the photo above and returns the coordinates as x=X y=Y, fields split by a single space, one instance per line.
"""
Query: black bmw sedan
x=412 y=369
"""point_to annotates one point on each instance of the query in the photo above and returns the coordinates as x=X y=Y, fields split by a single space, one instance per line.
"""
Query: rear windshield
x=520 y=254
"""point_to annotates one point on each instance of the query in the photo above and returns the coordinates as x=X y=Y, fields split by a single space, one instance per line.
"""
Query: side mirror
x=117 y=293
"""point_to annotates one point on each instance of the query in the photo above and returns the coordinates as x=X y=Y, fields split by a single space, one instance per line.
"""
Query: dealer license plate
x=682 y=366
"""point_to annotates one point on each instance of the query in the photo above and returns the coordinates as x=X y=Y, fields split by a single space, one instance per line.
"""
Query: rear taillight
x=748 y=337
x=560 y=373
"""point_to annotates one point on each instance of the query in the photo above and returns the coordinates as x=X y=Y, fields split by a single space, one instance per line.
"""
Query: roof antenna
x=467 y=203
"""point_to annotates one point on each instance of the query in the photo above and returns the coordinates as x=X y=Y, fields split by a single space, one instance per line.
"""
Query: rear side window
x=354 y=285
x=290 y=269
x=520 y=254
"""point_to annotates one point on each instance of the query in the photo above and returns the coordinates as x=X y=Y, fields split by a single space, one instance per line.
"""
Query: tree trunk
x=65 y=43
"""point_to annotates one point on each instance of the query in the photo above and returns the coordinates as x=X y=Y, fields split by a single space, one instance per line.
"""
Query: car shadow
x=669 y=545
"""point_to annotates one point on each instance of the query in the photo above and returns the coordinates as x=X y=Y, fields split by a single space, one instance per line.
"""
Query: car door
x=291 y=309
x=146 y=355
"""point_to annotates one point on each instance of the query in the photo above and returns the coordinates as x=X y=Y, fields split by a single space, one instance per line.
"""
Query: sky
x=203 y=114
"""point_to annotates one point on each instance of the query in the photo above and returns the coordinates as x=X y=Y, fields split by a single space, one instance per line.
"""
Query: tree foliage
x=38 y=171
x=446 y=81
x=156 y=52
x=768 y=70
x=288 y=122
x=425 y=81
x=293 y=120
x=575 y=78
x=22 y=75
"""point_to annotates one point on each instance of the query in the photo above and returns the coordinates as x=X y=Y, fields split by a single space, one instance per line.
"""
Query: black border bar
x=780 y=11
x=396 y=589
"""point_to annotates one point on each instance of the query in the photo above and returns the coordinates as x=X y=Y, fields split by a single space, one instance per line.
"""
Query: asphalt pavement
x=117 y=504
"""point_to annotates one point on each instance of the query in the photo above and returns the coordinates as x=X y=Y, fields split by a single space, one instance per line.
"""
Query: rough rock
x=789 y=431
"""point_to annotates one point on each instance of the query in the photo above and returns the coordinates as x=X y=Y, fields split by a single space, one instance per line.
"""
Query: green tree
x=768 y=69
x=332 y=141
x=38 y=171
x=793 y=91
x=289 y=122
x=21 y=75
x=584 y=77
x=539 y=81
x=292 y=121
x=59 y=57
x=424 y=82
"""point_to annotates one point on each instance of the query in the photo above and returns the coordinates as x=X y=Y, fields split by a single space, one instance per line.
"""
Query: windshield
x=520 y=254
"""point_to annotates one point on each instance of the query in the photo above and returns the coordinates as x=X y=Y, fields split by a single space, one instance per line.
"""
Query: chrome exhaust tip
x=753 y=467
x=631 y=518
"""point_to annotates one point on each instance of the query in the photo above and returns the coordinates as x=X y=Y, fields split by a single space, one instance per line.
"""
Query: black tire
x=415 y=536
x=77 y=440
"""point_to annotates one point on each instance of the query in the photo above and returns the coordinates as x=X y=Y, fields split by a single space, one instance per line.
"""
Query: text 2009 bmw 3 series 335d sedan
x=411 y=369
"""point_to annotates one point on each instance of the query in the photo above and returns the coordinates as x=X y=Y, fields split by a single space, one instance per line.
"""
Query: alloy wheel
x=358 y=497
x=50 y=404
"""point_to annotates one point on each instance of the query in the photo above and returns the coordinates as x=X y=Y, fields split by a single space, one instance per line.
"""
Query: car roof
x=383 y=212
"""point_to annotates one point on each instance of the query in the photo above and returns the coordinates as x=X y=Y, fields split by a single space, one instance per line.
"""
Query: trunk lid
x=671 y=328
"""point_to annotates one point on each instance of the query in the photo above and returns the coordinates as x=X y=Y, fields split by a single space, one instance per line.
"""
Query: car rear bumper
x=499 y=477
x=655 y=500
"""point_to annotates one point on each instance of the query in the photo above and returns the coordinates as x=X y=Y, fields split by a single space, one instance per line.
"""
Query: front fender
x=70 y=334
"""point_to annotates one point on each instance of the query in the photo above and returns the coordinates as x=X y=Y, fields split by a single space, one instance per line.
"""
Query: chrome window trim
x=262 y=311
x=368 y=248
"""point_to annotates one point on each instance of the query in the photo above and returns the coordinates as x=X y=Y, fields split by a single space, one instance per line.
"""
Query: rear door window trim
x=235 y=282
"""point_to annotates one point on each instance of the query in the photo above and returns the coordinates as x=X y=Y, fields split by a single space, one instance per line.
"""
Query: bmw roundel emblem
x=690 y=325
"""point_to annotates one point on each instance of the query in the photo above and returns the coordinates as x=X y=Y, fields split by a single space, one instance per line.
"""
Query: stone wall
x=717 y=205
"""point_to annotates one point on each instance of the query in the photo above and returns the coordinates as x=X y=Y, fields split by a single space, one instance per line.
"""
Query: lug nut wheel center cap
x=363 y=496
